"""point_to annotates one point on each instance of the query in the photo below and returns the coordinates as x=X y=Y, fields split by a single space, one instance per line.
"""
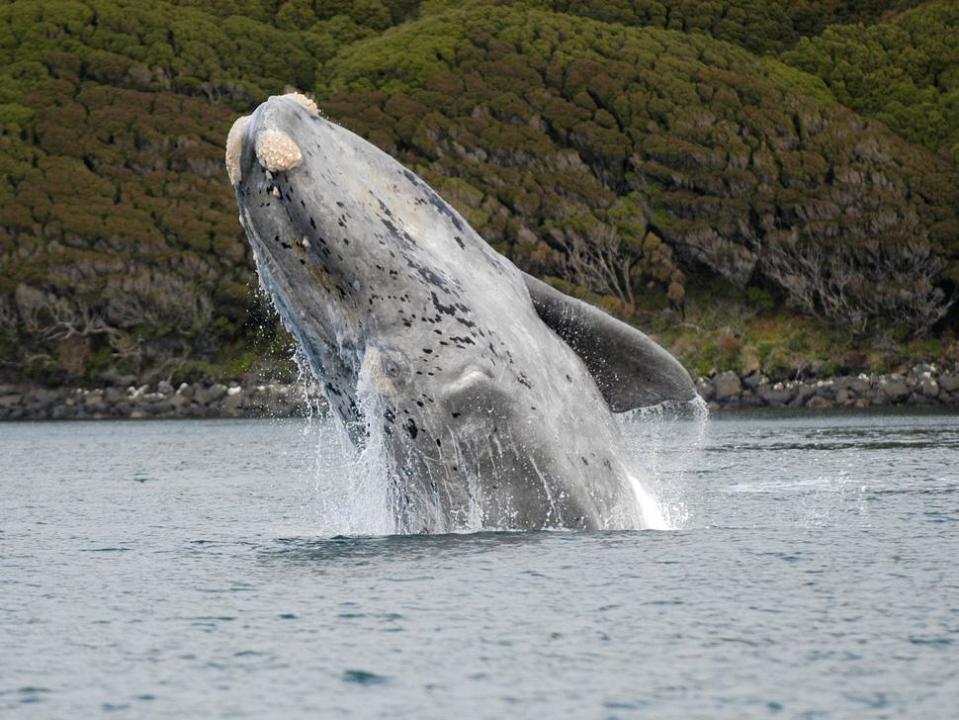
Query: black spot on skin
x=410 y=426
x=459 y=241
x=607 y=464
x=430 y=276
x=312 y=223
x=455 y=415
x=569 y=378
x=585 y=461
x=389 y=415
x=439 y=443
x=427 y=351
x=445 y=309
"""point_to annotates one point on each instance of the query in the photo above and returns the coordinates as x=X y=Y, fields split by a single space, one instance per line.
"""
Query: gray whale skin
x=487 y=394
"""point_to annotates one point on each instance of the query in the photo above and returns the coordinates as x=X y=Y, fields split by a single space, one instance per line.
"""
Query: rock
x=929 y=387
x=164 y=388
x=860 y=385
x=94 y=400
x=777 y=395
x=705 y=389
x=10 y=401
x=230 y=405
x=949 y=383
x=185 y=390
x=727 y=385
x=895 y=389
x=754 y=380
x=842 y=396
x=818 y=402
x=212 y=394
x=803 y=391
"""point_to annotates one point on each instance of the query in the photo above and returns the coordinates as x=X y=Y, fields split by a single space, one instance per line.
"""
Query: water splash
x=352 y=492
x=664 y=442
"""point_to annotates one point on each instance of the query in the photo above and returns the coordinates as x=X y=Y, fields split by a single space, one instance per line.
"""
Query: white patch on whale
x=234 y=148
x=304 y=101
x=276 y=151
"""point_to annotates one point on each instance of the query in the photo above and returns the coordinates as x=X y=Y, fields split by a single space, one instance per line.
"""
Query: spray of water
x=664 y=441
x=355 y=492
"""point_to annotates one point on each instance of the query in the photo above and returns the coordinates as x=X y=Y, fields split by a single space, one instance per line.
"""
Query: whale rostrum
x=487 y=393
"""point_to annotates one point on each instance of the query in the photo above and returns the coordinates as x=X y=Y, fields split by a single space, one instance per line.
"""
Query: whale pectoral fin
x=630 y=369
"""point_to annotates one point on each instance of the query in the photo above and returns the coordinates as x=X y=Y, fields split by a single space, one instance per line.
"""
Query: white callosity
x=307 y=103
x=276 y=151
x=234 y=149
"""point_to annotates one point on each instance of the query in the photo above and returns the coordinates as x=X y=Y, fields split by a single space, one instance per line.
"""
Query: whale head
x=488 y=392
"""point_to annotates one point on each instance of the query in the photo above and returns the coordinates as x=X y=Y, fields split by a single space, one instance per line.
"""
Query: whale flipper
x=630 y=369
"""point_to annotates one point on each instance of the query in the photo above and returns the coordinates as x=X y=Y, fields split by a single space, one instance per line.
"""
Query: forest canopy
x=796 y=159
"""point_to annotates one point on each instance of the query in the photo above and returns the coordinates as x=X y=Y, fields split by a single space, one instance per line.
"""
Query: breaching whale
x=488 y=393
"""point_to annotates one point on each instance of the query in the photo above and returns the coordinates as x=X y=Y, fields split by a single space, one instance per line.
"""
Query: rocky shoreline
x=162 y=400
x=923 y=385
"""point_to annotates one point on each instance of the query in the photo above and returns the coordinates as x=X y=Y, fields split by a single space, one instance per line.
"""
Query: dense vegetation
x=673 y=160
x=904 y=72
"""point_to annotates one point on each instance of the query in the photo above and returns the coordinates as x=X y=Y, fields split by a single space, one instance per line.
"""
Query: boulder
x=894 y=389
x=860 y=385
x=777 y=395
x=10 y=401
x=209 y=395
x=727 y=385
x=949 y=382
x=929 y=387
x=754 y=380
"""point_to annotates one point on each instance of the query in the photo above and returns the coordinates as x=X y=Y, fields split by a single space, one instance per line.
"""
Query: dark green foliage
x=575 y=136
x=904 y=72
x=537 y=127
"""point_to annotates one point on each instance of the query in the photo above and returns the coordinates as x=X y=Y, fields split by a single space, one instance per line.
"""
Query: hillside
x=904 y=72
x=709 y=171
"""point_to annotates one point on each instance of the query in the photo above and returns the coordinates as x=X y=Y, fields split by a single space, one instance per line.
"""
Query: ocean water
x=217 y=569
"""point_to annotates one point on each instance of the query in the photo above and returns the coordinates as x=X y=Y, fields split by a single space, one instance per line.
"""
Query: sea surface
x=219 y=569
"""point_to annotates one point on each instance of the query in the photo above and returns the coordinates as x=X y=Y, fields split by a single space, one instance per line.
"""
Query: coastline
x=924 y=385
